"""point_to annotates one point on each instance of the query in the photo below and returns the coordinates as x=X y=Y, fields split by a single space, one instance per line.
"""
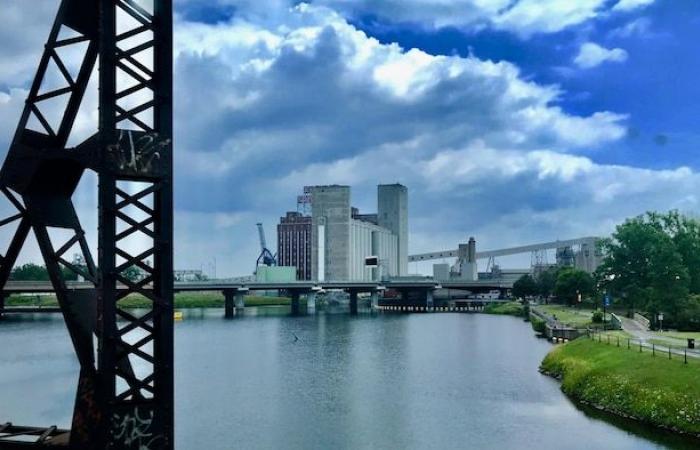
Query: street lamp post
x=606 y=303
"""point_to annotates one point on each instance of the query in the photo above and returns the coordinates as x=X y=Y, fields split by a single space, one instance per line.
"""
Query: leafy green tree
x=29 y=272
x=572 y=282
x=643 y=265
x=688 y=318
x=132 y=273
x=546 y=281
x=685 y=234
x=35 y=272
x=525 y=286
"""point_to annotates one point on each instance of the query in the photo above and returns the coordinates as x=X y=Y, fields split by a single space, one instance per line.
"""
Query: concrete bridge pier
x=234 y=299
x=429 y=298
x=296 y=308
x=229 y=303
x=3 y=296
x=374 y=299
x=239 y=299
x=353 y=302
x=311 y=301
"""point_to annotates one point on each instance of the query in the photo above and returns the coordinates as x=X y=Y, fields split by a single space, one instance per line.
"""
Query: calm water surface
x=435 y=381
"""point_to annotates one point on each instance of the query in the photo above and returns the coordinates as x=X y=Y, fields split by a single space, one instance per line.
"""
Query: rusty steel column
x=136 y=220
x=124 y=400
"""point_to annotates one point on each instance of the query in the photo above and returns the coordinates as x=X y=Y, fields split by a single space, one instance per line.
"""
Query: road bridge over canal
x=234 y=293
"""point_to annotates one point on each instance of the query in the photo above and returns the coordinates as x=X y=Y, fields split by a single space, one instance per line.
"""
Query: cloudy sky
x=514 y=121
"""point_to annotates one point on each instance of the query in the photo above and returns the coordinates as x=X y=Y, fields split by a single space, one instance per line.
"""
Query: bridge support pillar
x=311 y=301
x=239 y=300
x=429 y=298
x=3 y=296
x=295 y=303
x=353 y=302
x=374 y=299
x=229 y=303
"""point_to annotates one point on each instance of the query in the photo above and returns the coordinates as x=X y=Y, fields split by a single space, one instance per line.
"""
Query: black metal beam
x=116 y=406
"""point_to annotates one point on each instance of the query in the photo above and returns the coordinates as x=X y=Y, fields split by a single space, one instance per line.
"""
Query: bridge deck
x=37 y=287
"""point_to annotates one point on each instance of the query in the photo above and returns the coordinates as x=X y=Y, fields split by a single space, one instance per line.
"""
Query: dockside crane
x=266 y=258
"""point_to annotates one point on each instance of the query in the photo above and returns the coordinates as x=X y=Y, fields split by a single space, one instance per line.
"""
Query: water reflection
x=268 y=380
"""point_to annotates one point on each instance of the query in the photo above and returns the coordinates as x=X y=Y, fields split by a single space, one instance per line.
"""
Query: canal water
x=331 y=381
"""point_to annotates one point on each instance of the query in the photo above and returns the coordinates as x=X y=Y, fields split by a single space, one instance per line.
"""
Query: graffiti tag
x=138 y=152
x=134 y=430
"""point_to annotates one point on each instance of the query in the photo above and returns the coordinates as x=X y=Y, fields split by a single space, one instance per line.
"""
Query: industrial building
x=294 y=243
x=581 y=253
x=392 y=214
x=335 y=238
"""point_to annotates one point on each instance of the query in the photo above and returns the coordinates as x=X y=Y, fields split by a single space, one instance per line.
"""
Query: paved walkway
x=641 y=333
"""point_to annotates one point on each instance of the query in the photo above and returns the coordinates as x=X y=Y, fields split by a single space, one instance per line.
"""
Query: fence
x=651 y=348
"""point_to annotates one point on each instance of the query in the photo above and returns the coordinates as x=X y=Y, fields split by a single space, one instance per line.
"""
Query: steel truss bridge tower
x=124 y=397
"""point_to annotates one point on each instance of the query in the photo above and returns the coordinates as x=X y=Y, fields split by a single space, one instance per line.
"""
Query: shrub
x=537 y=324
x=597 y=317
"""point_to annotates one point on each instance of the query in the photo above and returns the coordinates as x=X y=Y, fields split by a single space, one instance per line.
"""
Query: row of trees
x=651 y=264
x=35 y=272
x=567 y=285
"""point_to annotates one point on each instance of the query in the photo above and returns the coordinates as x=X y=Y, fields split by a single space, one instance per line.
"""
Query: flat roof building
x=341 y=237
x=294 y=243
x=392 y=214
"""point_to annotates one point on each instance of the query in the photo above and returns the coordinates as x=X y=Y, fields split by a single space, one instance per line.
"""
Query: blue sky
x=657 y=85
x=511 y=120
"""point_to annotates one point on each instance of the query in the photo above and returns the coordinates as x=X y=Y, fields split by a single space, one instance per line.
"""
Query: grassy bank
x=538 y=325
x=577 y=318
x=182 y=300
x=680 y=335
x=505 y=309
x=655 y=391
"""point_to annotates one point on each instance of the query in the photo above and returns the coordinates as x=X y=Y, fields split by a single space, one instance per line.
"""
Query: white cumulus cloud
x=629 y=5
x=523 y=17
x=271 y=101
x=592 y=55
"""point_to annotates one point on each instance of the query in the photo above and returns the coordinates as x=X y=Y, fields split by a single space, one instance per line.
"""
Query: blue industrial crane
x=266 y=258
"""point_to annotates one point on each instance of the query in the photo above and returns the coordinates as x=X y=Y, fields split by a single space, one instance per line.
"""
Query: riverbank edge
x=181 y=301
x=554 y=366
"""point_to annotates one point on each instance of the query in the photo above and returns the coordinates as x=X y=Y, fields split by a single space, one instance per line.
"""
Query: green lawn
x=614 y=334
x=579 y=318
x=183 y=300
x=681 y=335
x=625 y=382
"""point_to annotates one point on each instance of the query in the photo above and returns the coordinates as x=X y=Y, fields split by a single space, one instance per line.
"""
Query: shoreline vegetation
x=654 y=391
x=505 y=309
x=184 y=300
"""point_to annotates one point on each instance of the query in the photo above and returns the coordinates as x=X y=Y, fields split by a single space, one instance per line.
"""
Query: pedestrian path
x=649 y=339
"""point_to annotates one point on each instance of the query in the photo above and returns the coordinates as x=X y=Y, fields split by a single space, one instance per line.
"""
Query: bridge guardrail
x=615 y=321
x=643 y=320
